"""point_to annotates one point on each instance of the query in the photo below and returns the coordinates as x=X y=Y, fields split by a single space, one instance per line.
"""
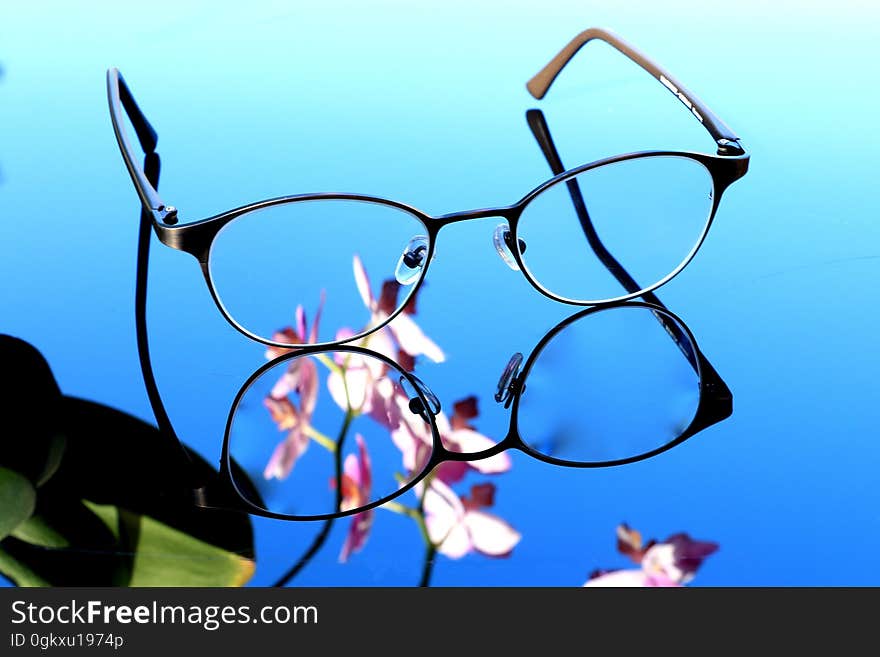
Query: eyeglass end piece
x=166 y=214
x=730 y=147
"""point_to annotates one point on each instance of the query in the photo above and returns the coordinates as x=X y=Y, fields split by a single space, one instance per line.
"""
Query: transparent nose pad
x=503 y=240
x=412 y=260
x=508 y=381
x=415 y=402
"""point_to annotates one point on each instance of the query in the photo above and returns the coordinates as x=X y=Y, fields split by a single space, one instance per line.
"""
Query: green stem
x=402 y=509
x=323 y=440
x=428 y=568
x=430 y=546
x=336 y=448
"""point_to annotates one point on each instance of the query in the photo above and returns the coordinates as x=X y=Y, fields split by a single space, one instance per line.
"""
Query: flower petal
x=660 y=581
x=689 y=554
x=412 y=340
x=313 y=335
x=363 y=283
x=463 y=411
x=356 y=383
x=454 y=539
x=441 y=501
x=284 y=414
x=629 y=542
x=482 y=496
x=286 y=454
x=300 y=315
x=380 y=342
x=358 y=532
x=387 y=303
x=384 y=406
x=288 y=336
x=415 y=451
x=308 y=387
x=468 y=441
x=659 y=561
x=451 y=472
x=619 y=578
x=365 y=469
x=490 y=534
x=344 y=334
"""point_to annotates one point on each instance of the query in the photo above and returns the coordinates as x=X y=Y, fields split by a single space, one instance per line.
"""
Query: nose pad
x=415 y=402
x=502 y=239
x=508 y=383
x=412 y=260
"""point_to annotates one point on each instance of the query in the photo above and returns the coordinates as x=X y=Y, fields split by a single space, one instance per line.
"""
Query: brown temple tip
x=538 y=86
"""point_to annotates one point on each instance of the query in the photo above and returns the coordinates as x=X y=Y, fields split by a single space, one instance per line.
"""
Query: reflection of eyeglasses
x=604 y=387
x=652 y=210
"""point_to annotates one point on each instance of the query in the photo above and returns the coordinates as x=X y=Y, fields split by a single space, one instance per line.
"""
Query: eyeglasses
x=651 y=210
x=323 y=432
x=610 y=385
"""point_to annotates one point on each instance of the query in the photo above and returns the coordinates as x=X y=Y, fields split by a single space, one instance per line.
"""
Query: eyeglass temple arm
x=725 y=138
x=121 y=100
x=179 y=462
x=715 y=384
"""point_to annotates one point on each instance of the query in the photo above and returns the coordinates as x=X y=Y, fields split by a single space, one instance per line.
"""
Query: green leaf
x=18 y=572
x=36 y=530
x=164 y=556
x=17 y=501
x=54 y=453
x=108 y=513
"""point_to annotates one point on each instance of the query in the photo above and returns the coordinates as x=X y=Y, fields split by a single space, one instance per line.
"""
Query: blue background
x=425 y=103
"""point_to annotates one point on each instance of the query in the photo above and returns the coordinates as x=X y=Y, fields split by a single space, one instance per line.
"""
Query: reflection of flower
x=293 y=446
x=301 y=378
x=457 y=435
x=356 y=487
x=674 y=562
x=362 y=385
x=459 y=526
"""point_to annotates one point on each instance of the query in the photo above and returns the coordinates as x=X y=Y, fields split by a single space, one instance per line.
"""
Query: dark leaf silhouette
x=111 y=499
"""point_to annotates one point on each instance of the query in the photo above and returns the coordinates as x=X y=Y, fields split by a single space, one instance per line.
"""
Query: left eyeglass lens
x=351 y=261
x=327 y=432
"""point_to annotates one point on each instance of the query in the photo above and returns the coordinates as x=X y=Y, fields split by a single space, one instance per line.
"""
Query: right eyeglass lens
x=612 y=385
x=304 y=418
x=341 y=253
x=645 y=215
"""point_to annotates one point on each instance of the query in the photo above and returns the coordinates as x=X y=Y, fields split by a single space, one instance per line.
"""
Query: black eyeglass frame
x=196 y=238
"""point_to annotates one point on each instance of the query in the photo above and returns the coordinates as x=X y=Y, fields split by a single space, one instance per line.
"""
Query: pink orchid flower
x=459 y=526
x=300 y=378
x=674 y=562
x=356 y=488
x=407 y=334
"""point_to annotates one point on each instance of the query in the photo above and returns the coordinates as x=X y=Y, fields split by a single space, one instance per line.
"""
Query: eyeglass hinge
x=730 y=147
x=166 y=214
